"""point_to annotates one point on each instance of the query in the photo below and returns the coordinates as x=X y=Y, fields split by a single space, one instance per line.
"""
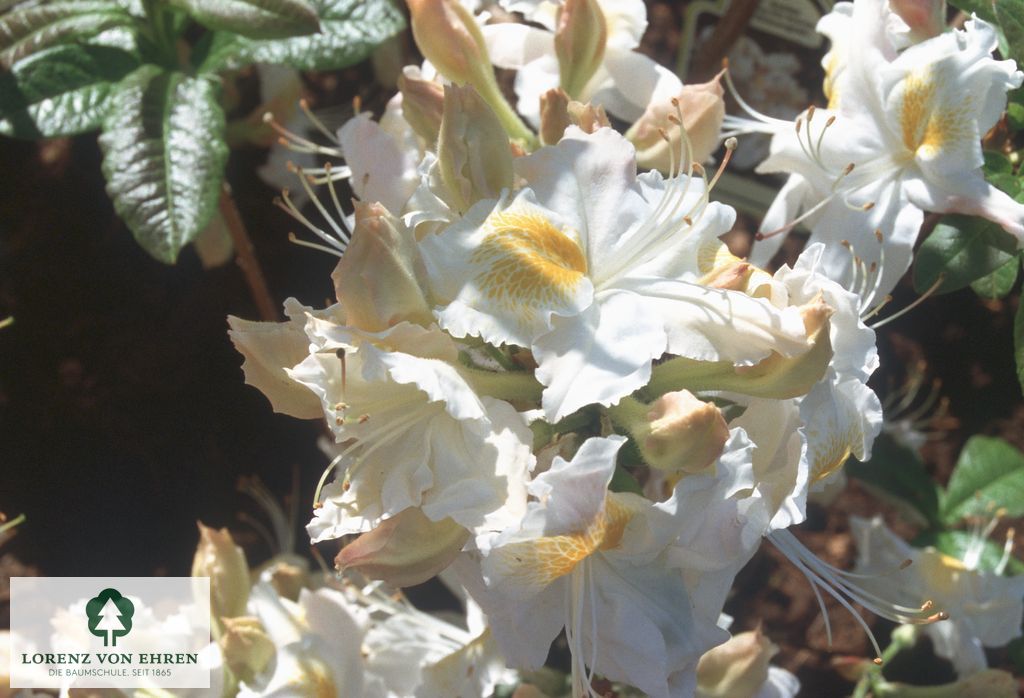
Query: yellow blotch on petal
x=538 y=562
x=529 y=264
x=926 y=125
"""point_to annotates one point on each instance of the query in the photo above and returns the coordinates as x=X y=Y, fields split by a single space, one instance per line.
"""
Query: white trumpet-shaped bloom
x=903 y=136
x=595 y=269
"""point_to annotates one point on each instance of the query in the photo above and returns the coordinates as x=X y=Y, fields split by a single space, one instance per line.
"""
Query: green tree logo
x=110 y=616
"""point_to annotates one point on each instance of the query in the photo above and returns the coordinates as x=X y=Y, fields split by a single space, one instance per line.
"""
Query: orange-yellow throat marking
x=529 y=263
x=926 y=124
x=541 y=561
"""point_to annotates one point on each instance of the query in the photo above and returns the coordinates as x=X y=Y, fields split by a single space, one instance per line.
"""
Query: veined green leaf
x=1000 y=282
x=163 y=157
x=62 y=90
x=1010 y=16
x=27 y=30
x=256 y=19
x=988 y=475
x=963 y=249
x=349 y=30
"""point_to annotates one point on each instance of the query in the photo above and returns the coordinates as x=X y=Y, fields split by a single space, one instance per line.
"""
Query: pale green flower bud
x=681 y=433
x=581 y=34
x=287 y=579
x=422 y=103
x=473 y=152
x=405 y=550
x=448 y=36
x=247 y=649
x=737 y=668
x=218 y=558
x=377 y=281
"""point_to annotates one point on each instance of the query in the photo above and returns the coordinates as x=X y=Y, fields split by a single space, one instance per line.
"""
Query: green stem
x=628 y=413
x=511 y=385
x=510 y=121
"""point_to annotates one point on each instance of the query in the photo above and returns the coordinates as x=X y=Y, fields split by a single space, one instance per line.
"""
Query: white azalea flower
x=591 y=561
x=421 y=436
x=985 y=608
x=910 y=126
x=595 y=270
x=317 y=642
x=625 y=83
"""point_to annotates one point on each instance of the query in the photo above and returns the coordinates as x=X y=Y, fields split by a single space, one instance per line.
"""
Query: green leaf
x=897 y=474
x=1018 y=342
x=1010 y=15
x=956 y=544
x=61 y=91
x=256 y=19
x=349 y=30
x=997 y=163
x=983 y=8
x=1015 y=116
x=989 y=473
x=1000 y=282
x=963 y=249
x=27 y=30
x=163 y=157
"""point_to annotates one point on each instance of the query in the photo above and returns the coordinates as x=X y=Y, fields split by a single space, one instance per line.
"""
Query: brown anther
x=698 y=169
x=664 y=135
x=878 y=234
x=318 y=505
x=674 y=119
x=268 y=117
x=1000 y=512
x=927 y=605
x=340 y=421
x=941 y=615
x=346 y=486
x=831 y=120
x=873 y=268
x=759 y=236
x=357 y=104
x=364 y=418
x=327 y=168
x=282 y=141
x=687 y=220
x=1011 y=533
x=725 y=63
x=906 y=563
x=868 y=206
x=845 y=243
x=799 y=123
x=340 y=406
x=675 y=101
x=848 y=169
x=810 y=113
x=304 y=103
x=731 y=143
x=877 y=661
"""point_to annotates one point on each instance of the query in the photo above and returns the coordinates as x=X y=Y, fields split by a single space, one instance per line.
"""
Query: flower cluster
x=547 y=377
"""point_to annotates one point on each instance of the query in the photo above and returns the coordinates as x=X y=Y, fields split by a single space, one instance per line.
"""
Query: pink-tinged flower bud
x=422 y=103
x=681 y=433
x=737 y=668
x=473 y=153
x=405 y=550
x=218 y=558
x=378 y=279
x=247 y=649
x=924 y=18
x=702 y=109
x=581 y=34
x=554 y=116
x=448 y=36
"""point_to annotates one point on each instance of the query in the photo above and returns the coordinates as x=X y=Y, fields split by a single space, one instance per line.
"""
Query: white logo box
x=111 y=632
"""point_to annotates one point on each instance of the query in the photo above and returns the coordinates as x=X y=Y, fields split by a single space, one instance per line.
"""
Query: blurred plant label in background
x=110 y=632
